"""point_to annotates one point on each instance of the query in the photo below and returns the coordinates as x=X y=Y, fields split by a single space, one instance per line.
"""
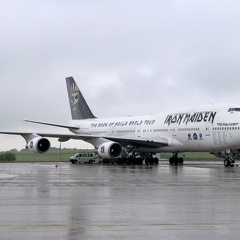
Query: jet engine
x=110 y=150
x=38 y=145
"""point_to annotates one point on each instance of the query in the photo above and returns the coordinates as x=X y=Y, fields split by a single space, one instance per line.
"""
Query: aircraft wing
x=136 y=142
x=53 y=124
x=154 y=143
x=61 y=137
x=123 y=141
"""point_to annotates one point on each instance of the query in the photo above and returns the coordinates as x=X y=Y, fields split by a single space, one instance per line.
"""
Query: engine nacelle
x=110 y=150
x=38 y=145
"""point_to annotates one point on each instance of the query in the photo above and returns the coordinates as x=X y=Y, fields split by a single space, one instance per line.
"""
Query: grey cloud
x=128 y=57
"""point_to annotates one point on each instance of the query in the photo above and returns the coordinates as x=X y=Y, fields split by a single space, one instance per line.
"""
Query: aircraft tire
x=175 y=161
x=227 y=163
x=180 y=160
x=171 y=161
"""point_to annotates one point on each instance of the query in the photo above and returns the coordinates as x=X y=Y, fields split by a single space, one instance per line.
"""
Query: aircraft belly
x=199 y=144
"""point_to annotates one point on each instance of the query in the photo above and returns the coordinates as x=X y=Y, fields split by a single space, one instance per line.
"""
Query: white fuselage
x=206 y=128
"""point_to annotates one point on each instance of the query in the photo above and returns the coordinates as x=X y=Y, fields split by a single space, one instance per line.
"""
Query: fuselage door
x=207 y=129
x=174 y=131
x=112 y=131
x=138 y=131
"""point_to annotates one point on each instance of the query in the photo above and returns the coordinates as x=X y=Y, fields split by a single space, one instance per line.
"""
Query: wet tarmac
x=193 y=201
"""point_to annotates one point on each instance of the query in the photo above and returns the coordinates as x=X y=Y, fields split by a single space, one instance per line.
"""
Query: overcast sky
x=129 y=57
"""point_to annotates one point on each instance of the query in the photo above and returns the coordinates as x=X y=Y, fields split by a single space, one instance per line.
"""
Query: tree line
x=7 y=156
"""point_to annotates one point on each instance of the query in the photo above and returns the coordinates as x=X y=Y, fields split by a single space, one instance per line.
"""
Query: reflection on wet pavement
x=193 y=201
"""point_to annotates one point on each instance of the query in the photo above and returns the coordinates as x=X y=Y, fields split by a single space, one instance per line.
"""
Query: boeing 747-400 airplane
x=207 y=128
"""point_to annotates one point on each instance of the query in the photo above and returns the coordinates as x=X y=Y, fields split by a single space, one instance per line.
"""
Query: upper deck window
x=234 y=109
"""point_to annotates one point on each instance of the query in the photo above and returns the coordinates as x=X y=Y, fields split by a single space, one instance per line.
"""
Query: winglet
x=78 y=105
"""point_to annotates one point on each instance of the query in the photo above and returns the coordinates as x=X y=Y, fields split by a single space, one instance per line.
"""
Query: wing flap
x=140 y=142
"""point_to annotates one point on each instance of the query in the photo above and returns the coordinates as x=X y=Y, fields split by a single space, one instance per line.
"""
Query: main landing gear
x=229 y=162
x=150 y=160
x=175 y=160
x=230 y=155
x=137 y=158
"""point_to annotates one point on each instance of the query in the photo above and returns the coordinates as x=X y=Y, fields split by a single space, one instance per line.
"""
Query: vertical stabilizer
x=78 y=105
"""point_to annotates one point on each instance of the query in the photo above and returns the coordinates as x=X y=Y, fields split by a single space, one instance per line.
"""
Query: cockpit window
x=234 y=109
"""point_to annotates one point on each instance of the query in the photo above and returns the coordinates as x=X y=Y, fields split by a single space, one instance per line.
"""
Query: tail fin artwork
x=78 y=105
